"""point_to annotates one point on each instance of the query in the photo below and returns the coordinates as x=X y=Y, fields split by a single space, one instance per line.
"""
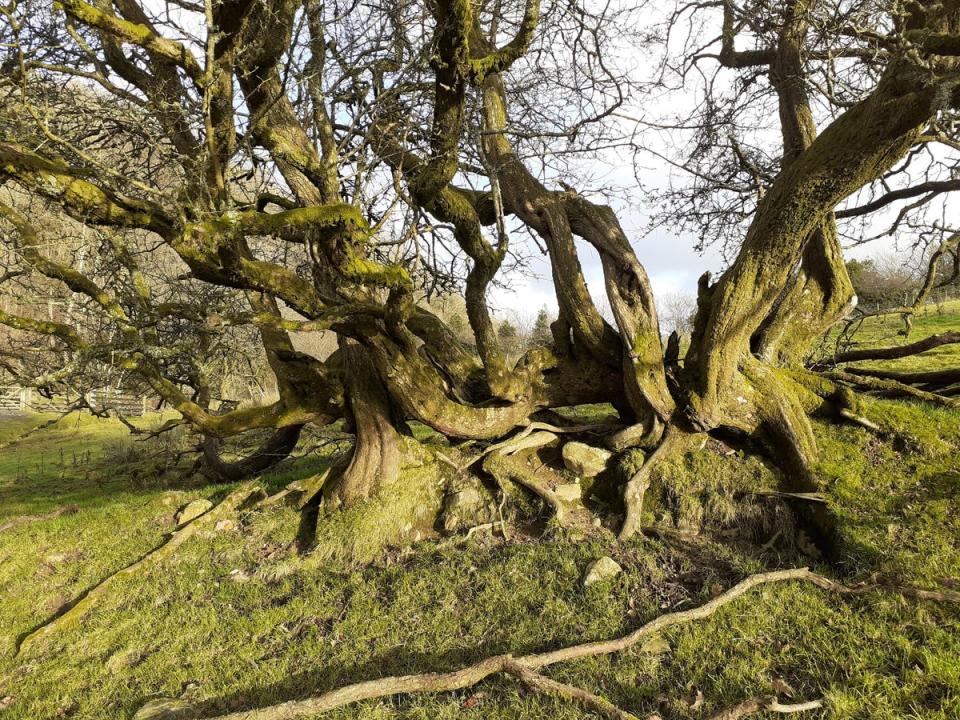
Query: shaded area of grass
x=283 y=627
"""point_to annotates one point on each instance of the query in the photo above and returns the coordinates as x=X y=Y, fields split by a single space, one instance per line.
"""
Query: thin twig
x=541 y=683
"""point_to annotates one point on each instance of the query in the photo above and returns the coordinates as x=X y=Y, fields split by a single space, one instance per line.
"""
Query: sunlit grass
x=295 y=628
x=886 y=331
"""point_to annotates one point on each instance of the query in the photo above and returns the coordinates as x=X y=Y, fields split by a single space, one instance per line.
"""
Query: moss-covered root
x=675 y=442
x=509 y=463
x=525 y=666
x=75 y=610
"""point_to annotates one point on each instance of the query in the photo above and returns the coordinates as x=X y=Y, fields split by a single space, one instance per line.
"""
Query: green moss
x=710 y=488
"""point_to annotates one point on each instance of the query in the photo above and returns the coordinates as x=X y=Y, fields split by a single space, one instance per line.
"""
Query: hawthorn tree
x=297 y=167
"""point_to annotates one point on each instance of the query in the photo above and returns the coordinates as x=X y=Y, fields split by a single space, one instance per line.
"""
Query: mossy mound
x=715 y=488
x=400 y=514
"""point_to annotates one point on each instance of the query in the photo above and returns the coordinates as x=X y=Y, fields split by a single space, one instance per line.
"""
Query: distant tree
x=540 y=334
x=508 y=335
x=882 y=281
x=457 y=324
x=678 y=312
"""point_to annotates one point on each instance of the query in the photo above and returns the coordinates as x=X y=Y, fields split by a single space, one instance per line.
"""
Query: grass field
x=883 y=331
x=237 y=619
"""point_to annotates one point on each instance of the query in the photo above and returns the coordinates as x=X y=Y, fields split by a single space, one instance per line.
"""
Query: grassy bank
x=236 y=618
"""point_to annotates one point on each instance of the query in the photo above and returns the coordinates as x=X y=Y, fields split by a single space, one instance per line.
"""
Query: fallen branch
x=768 y=703
x=898 y=351
x=473 y=674
x=802 y=496
x=930 y=378
x=37 y=428
x=859 y=420
x=76 y=609
x=24 y=519
x=893 y=388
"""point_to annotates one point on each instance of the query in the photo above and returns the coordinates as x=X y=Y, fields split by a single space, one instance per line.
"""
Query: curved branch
x=933 y=186
x=277 y=447
x=898 y=351
x=135 y=34
x=502 y=58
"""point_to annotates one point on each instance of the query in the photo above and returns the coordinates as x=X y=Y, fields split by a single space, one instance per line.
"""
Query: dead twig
x=543 y=684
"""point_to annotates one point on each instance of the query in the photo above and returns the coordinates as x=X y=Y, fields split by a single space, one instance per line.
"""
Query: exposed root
x=803 y=497
x=506 y=465
x=514 y=443
x=485 y=526
x=519 y=666
x=674 y=442
x=893 y=388
x=541 y=683
x=640 y=435
x=76 y=609
x=768 y=703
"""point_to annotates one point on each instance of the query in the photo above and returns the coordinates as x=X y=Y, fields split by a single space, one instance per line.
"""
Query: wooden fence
x=14 y=398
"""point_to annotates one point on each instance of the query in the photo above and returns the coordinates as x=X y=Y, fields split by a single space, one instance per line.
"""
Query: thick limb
x=860 y=145
x=819 y=296
x=276 y=448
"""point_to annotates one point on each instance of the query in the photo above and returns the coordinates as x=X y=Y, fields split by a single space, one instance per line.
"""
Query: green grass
x=295 y=628
x=883 y=331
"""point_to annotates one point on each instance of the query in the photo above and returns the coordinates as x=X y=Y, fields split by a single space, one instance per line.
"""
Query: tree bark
x=376 y=453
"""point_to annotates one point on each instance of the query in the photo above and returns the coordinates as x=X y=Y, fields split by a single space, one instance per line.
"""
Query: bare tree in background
x=678 y=312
